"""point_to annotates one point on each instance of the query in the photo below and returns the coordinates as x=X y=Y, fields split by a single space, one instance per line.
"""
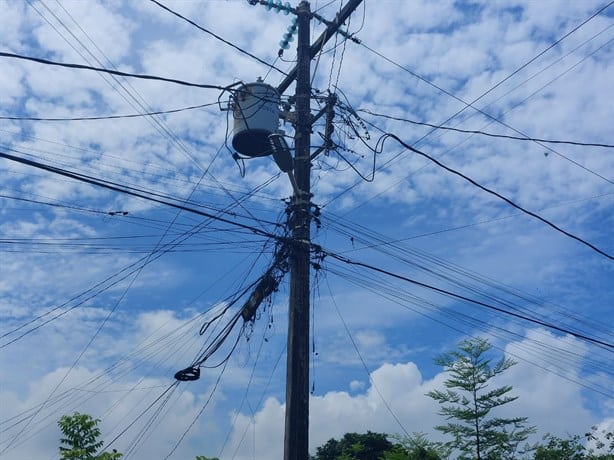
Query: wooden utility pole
x=296 y=439
x=297 y=373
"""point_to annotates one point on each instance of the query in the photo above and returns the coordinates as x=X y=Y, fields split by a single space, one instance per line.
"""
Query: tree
x=560 y=449
x=467 y=402
x=354 y=446
x=572 y=448
x=416 y=447
x=81 y=439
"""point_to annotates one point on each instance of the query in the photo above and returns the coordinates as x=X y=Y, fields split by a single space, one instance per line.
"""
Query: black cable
x=526 y=64
x=470 y=104
x=223 y=40
x=110 y=71
x=118 y=188
x=492 y=192
x=173 y=386
x=467 y=299
x=468 y=225
x=459 y=276
x=109 y=117
x=468 y=131
x=151 y=193
x=486 y=325
x=364 y=364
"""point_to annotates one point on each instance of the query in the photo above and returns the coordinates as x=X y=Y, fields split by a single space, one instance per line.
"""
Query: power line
x=467 y=299
x=223 y=40
x=362 y=360
x=461 y=277
x=473 y=224
x=109 y=117
x=492 y=192
x=557 y=357
x=111 y=72
x=523 y=66
x=483 y=133
x=470 y=104
x=134 y=192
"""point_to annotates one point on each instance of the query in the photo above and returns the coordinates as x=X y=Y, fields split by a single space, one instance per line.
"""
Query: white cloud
x=465 y=48
x=401 y=388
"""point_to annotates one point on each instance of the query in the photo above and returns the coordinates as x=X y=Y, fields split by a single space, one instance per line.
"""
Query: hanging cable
x=446 y=292
x=110 y=117
x=111 y=71
x=223 y=40
x=492 y=192
x=482 y=133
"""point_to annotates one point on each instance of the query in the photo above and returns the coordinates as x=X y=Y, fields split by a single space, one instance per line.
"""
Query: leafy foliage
x=416 y=447
x=354 y=446
x=572 y=448
x=81 y=439
x=467 y=402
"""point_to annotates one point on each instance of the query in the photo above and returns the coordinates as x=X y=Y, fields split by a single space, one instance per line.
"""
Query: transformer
x=256 y=116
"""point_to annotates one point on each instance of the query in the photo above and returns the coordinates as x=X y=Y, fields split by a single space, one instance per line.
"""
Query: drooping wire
x=364 y=364
x=223 y=40
x=602 y=343
x=496 y=194
x=426 y=308
x=153 y=255
x=110 y=117
x=110 y=71
x=200 y=412
x=483 y=133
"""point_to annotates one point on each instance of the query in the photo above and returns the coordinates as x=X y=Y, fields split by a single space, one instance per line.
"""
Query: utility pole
x=296 y=438
x=297 y=372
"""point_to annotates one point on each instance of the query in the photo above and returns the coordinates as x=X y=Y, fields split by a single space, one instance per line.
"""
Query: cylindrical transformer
x=256 y=116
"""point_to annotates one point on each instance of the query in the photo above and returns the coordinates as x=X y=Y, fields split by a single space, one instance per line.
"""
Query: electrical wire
x=110 y=117
x=498 y=195
x=459 y=277
x=474 y=224
x=470 y=104
x=118 y=188
x=111 y=71
x=364 y=364
x=551 y=357
x=223 y=40
x=516 y=71
x=446 y=292
x=482 y=133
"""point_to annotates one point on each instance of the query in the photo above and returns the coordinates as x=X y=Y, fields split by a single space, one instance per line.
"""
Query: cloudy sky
x=103 y=294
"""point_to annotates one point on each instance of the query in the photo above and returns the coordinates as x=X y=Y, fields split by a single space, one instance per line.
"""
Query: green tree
x=354 y=446
x=573 y=448
x=468 y=401
x=416 y=447
x=81 y=439
x=557 y=448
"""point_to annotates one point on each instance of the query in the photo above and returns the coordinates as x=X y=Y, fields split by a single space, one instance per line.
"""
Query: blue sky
x=105 y=324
